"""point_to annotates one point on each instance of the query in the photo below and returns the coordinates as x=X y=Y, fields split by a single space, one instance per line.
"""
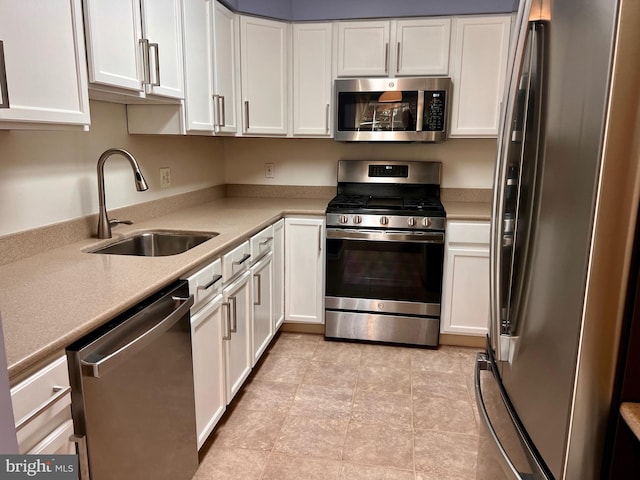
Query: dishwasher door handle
x=99 y=368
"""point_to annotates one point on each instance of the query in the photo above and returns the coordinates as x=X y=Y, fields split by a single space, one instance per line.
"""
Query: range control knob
x=411 y=222
x=357 y=219
x=343 y=219
x=384 y=220
x=426 y=222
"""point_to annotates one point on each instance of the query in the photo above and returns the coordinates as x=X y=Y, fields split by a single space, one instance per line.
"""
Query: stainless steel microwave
x=412 y=109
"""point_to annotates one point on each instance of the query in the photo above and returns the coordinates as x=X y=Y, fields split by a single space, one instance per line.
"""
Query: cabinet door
x=225 y=69
x=114 y=29
x=198 y=100
x=161 y=26
x=478 y=68
x=465 y=289
x=363 y=49
x=312 y=79
x=208 y=367
x=262 y=300
x=45 y=63
x=278 y=274
x=422 y=46
x=237 y=345
x=304 y=270
x=263 y=56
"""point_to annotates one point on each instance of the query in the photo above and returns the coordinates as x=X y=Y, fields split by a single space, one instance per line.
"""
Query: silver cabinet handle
x=246 y=115
x=326 y=121
x=398 y=58
x=258 y=289
x=234 y=323
x=266 y=241
x=111 y=359
x=223 y=123
x=216 y=279
x=320 y=238
x=156 y=48
x=227 y=322
x=216 y=111
x=146 y=66
x=386 y=57
x=4 y=91
x=244 y=258
x=59 y=393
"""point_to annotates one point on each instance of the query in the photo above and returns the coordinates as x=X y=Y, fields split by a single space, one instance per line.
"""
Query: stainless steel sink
x=156 y=243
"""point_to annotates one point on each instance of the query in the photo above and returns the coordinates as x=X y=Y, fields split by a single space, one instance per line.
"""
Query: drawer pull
x=266 y=241
x=244 y=258
x=216 y=278
x=59 y=392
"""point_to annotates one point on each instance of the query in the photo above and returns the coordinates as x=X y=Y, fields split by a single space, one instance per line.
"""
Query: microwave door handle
x=420 y=111
x=498 y=206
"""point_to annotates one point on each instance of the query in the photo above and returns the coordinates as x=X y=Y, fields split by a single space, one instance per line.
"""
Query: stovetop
x=392 y=205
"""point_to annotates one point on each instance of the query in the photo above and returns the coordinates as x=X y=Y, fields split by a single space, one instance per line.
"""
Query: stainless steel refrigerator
x=565 y=197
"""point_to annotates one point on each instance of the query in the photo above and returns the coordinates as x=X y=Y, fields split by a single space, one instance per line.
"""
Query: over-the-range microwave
x=411 y=109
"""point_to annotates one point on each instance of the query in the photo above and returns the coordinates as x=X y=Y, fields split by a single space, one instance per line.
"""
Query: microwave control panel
x=434 y=111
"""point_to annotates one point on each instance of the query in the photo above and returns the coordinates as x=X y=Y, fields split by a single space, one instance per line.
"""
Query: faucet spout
x=104 y=225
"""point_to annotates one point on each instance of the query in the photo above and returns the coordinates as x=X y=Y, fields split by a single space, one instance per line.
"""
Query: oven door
x=384 y=285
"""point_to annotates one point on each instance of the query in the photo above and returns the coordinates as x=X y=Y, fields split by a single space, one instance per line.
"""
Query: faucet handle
x=117 y=222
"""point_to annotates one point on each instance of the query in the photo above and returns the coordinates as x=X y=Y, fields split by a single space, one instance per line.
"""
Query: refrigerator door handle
x=498 y=210
x=483 y=363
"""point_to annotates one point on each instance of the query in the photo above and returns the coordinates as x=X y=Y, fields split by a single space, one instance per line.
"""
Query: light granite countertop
x=51 y=299
x=631 y=413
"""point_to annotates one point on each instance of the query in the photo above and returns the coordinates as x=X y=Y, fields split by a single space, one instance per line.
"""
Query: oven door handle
x=385 y=235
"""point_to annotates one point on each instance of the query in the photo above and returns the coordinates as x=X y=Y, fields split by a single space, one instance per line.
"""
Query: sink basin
x=157 y=243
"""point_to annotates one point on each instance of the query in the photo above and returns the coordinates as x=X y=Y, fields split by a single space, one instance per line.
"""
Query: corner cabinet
x=465 y=288
x=43 y=73
x=264 y=46
x=478 y=67
x=396 y=47
x=312 y=79
x=304 y=260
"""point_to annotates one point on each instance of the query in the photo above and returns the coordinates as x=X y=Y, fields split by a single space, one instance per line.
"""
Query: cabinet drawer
x=41 y=389
x=236 y=261
x=205 y=283
x=468 y=232
x=261 y=243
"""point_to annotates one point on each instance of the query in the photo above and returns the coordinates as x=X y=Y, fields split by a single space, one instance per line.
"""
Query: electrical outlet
x=268 y=170
x=165 y=177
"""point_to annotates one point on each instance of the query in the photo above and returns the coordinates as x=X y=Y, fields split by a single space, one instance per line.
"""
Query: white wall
x=48 y=177
x=466 y=163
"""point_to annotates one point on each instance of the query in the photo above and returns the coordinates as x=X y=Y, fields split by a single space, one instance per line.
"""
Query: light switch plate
x=268 y=170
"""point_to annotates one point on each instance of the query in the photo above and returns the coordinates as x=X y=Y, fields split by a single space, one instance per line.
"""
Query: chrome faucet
x=104 y=224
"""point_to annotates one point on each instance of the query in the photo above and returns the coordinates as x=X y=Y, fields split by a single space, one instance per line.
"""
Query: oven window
x=409 y=272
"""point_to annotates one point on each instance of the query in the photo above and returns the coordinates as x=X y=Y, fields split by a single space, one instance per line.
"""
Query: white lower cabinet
x=262 y=302
x=237 y=344
x=465 y=289
x=304 y=269
x=208 y=367
x=42 y=411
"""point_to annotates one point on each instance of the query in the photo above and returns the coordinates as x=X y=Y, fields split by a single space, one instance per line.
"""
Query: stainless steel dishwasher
x=132 y=393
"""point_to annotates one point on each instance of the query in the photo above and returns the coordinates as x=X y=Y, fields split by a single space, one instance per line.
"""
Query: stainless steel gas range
x=384 y=253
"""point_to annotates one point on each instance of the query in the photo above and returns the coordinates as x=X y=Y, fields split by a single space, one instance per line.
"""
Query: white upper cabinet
x=44 y=65
x=478 y=67
x=226 y=78
x=422 y=46
x=198 y=99
x=134 y=48
x=312 y=79
x=397 y=47
x=264 y=65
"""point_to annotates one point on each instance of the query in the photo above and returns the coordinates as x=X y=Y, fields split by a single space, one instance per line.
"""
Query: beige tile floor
x=314 y=409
